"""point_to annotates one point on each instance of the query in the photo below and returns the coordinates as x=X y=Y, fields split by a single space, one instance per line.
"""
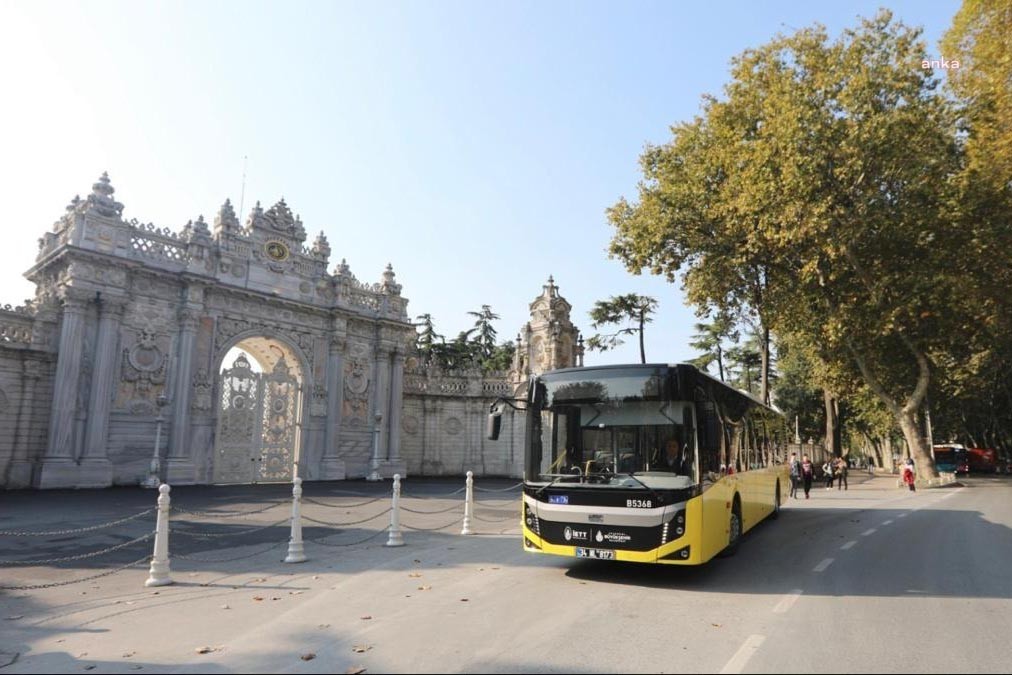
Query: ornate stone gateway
x=257 y=437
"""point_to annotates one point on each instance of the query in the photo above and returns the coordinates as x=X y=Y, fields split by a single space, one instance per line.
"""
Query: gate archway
x=259 y=413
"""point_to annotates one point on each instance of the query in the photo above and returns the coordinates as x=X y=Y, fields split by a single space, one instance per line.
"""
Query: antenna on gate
x=242 y=194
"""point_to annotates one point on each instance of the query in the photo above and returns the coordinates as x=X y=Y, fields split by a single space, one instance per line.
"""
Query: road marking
x=888 y=522
x=868 y=533
x=821 y=567
x=847 y=545
x=902 y=515
x=741 y=657
x=788 y=601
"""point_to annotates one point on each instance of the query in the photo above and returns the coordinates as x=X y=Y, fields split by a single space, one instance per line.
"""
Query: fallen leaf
x=205 y=650
x=324 y=625
x=90 y=666
x=425 y=588
x=463 y=599
x=358 y=649
x=127 y=655
x=417 y=561
x=365 y=617
x=415 y=575
x=308 y=657
x=295 y=592
x=15 y=617
x=316 y=576
x=225 y=607
x=275 y=598
x=715 y=625
x=258 y=598
x=355 y=670
x=136 y=667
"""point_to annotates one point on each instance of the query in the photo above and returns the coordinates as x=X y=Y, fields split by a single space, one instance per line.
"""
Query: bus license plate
x=596 y=553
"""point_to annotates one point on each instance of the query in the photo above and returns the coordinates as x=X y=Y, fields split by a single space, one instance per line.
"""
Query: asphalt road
x=872 y=579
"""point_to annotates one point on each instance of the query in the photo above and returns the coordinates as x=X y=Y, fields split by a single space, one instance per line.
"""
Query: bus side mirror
x=494 y=423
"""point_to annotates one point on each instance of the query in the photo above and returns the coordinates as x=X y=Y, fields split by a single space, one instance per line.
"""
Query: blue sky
x=473 y=145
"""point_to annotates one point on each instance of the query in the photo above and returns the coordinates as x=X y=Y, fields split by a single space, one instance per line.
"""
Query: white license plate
x=595 y=553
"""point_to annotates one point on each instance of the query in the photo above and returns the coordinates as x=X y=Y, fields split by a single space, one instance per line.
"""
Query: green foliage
x=632 y=309
x=471 y=348
x=710 y=339
x=815 y=195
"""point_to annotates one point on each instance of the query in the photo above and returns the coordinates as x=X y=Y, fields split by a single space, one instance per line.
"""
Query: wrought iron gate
x=257 y=424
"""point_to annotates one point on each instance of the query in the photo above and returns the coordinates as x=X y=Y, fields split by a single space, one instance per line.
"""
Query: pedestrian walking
x=908 y=474
x=795 y=474
x=807 y=474
x=841 y=473
x=827 y=473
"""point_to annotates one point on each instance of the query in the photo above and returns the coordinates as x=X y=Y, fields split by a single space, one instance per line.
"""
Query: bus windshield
x=615 y=429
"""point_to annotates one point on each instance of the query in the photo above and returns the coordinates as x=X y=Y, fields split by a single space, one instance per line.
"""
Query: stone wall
x=443 y=427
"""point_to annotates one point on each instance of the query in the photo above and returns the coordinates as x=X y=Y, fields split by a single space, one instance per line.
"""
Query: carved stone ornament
x=202 y=388
x=318 y=404
x=355 y=380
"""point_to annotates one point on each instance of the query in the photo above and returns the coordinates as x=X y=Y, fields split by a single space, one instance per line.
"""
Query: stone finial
x=389 y=285
x=226 y=220
x=100 y=200
x=321 y=247
x=256 y=216
x=551 y=290
x=74 y=203
x=343 y=270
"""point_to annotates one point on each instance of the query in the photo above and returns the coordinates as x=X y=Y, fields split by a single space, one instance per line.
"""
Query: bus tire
x=776 y=503
x=734 y=529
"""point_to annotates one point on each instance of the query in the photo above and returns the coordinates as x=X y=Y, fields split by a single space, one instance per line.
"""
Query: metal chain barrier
x=447 y=509
x=320 y=541
x=505 y=489
x=242 y=514
x=431 y=529
x=179 y=556
x=208 y=535
x=448 y=494
x=81 y=556
x=355 y=522
x=91 y=528
x=310 y=500
x=54 y=584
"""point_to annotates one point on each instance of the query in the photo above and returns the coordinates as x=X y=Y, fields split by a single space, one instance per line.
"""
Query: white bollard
x=296 y=551
x=158 y=575
x=395 y=538
x=468 y=503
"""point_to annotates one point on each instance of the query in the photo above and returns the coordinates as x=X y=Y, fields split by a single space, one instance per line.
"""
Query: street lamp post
x=374 y=465
x=153 y=480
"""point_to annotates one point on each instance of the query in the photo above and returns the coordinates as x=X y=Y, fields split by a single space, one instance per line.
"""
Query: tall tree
x=428 y=339
x=483 y=334
x=632 y=309
x=821 y=181
x=710 y=339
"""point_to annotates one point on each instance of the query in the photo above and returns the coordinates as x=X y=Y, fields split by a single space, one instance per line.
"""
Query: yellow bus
x=645 y=463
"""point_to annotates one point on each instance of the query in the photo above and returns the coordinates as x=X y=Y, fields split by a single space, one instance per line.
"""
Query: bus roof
x=678 y=367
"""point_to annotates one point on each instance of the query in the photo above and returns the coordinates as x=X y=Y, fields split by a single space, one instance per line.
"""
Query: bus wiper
x=557 y=477
x=652 y=491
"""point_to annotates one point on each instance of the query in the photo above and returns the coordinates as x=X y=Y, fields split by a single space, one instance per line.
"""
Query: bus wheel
x=776 y=503
x=734 y=529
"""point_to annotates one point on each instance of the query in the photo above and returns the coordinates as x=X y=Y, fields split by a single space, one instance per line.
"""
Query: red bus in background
x=982 y=460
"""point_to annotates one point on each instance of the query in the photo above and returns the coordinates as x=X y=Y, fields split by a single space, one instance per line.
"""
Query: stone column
x=20 y=473
x=332 y=466
x=382 y=399
x=179 y=464
x=397 y=465
x=96 y=470
x=58 y=469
